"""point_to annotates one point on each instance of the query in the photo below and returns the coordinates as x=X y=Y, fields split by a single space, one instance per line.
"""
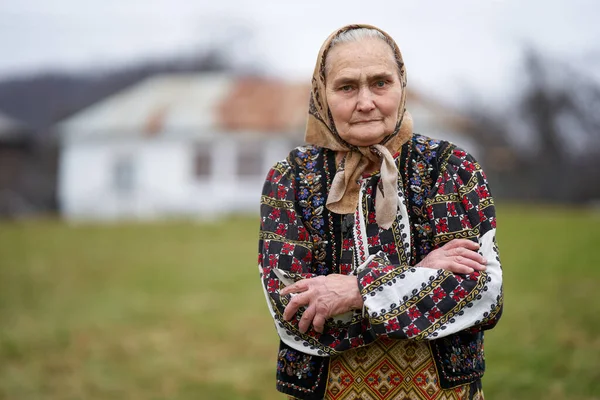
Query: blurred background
x=135 y=137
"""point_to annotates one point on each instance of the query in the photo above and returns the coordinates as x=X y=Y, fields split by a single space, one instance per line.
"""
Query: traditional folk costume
x=420 y=332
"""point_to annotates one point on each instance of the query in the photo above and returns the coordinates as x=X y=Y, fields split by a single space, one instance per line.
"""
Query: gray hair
x=357 y=35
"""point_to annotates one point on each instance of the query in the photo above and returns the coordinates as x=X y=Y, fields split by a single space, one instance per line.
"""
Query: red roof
x=265 y=105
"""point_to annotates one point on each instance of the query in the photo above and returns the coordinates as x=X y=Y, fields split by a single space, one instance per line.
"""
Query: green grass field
x=175 y=311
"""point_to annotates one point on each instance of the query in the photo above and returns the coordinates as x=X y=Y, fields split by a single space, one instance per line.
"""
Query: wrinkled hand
x=458 y=256
x=324 y=296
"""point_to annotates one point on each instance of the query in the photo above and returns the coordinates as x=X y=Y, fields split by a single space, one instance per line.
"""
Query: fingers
x=462 y=265
x=310 y=315
x=319 y=323
x=307 y=318
x=472 y=264
x=461 y=253
x=300 y=286
x=459 y=268
x=458 y=256
x=457 y=243
x=295 y=303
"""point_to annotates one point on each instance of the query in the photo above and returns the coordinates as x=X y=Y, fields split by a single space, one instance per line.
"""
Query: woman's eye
x=380 y=84
x=346 y=88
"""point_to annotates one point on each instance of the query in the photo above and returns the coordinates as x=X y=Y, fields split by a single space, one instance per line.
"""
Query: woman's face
x=363 y=90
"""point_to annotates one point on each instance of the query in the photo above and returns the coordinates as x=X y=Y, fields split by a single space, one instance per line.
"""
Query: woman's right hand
x=458 y=256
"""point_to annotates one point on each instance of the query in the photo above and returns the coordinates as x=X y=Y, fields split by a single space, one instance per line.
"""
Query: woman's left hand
x=324 y=296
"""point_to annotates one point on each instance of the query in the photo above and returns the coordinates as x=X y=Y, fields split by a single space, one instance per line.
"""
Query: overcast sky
x=447 y=45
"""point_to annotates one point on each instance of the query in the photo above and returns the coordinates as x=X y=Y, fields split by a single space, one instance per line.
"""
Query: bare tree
x=557 y=115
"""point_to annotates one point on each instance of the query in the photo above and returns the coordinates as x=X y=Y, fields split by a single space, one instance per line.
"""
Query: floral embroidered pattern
x=460 y=358
x=309 y=183
x=294 y=363
x=420 y=185
x=311 y=188
x=446 y=196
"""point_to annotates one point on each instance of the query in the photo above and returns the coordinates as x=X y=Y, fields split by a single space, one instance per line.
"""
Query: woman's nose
x=365 y=100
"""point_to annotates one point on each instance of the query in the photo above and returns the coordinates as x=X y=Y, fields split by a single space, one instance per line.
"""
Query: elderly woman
x=377 y=247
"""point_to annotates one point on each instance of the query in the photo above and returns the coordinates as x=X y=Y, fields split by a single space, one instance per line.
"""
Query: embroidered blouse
x=443 y=195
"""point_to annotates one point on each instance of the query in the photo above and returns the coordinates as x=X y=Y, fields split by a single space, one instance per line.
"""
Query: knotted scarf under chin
x=344 y=193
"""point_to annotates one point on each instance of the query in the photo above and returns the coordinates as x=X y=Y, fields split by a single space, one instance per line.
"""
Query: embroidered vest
x=459 y=357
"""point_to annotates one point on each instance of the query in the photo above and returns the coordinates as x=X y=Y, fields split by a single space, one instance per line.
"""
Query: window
x=202 y=163
x=124 y=175
x=250 y=159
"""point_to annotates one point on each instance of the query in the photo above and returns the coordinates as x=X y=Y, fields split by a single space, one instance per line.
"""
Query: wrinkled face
x=363 y=90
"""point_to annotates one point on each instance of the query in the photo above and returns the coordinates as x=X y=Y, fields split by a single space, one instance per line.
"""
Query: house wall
x=111 y=179
x=232 y=188
x=144 y=178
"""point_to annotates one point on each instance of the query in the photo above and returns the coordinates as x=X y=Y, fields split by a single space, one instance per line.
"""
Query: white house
x=194 y=145
x=166 y=147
